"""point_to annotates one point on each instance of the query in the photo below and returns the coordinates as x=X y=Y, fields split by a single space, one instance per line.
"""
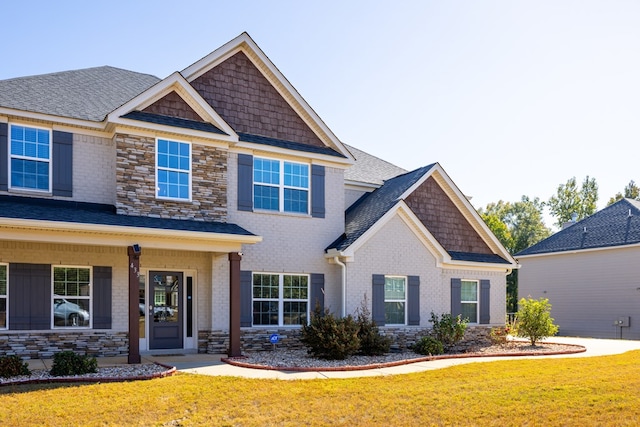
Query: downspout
x=344 y=284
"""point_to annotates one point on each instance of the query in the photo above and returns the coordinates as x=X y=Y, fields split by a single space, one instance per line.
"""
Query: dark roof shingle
x=370 y=169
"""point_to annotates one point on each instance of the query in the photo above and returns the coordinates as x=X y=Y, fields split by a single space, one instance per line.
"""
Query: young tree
x=631 y=191
x=569 y=200
x=534 y=320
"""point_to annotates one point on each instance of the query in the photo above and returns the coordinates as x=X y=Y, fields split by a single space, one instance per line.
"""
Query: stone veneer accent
x=135 y=182
x=43 y=345
x=217 y=342
x=444 y=220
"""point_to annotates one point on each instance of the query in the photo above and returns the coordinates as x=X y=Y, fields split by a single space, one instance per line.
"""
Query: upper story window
x=173 y=170
x=280 y=186
x=395 y=300
x=30 y=158
x=71 y=297
x=3 y=296
x=469 y=300
x=280 y=299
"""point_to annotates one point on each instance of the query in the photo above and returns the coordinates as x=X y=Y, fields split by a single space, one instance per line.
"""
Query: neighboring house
x=590 y=273
x=206 y=211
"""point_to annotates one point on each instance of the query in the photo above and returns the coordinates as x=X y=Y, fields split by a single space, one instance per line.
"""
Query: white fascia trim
x=251 y=147
x=245 y=43
x=466 y=208
x=479 y=266
x=20 y=114
x=360 y=185
x=152 y=130
x=580 y=251
x=175 y=82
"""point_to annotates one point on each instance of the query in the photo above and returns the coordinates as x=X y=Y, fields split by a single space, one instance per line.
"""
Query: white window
x=71 y=297
x=280 y=299
x=395 y=300
x=4 y=285
x=469 y=300
x=173 y=170
x=30 y=158
x=280 y=186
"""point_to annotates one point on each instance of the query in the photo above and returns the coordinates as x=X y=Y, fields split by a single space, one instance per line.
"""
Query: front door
x=165 y=310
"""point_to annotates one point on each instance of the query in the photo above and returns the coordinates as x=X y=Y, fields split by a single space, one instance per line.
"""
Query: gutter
x=344 y=284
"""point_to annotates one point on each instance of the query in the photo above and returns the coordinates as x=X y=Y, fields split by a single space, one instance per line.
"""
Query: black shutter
x=413 y=300
x=4 y=157
x=102 y=297
x=245 y=182
x=30 y=296
x=62 y=164
x=485 y=298
x=377 y=299
x=317 y=191
x=456 y=297
x=317 y=292
x=246 y=297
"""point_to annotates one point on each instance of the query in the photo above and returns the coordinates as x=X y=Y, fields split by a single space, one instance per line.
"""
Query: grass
x=528 y=392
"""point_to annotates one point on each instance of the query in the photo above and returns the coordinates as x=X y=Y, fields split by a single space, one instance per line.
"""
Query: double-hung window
x=280 y=185
x=4 y=284
x=173 y=170
x=395 y=300
x=30 y=158
x=469 y=300
x=280 y=299
x=71 y=297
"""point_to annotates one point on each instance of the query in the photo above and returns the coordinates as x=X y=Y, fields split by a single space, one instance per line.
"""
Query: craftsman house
x=209 y=209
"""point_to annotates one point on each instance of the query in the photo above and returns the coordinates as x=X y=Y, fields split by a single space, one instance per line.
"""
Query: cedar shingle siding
x=246 y=100
x=173 y=105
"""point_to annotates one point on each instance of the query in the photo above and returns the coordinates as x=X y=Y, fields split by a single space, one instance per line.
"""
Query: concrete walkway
x=210 y=364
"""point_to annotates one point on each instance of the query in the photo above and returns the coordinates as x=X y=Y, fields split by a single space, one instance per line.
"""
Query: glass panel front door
x=164 y=302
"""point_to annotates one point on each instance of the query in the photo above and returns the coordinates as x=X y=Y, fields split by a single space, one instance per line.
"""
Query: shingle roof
x=93 y=213
x=474 y=257
x=370 y=169
x=290 y=145
x=615 y=225
x=173 y=121
x=365 y=212
x=87 y=94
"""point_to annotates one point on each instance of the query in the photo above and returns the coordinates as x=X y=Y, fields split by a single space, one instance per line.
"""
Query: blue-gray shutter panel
x=485 y=298
x=102 y=297
x=456 y=297
x=317 y=292
x=317 y=191
x=62 y=164
x=4 y=157
x=413 y=300
x=246 y=299
x=245 y=182
x=377 y=299
x=30 y=296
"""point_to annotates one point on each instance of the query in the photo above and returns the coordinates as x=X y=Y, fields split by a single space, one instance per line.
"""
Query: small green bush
x=534 y=319
x=448 y=329
x=69 y=363
x=13 y=366
x=428 y=346
x=328 y=337
x=372 y=343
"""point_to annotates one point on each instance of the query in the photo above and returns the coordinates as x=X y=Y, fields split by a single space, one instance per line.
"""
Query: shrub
x=328 y=337
x=498 y=335
x=69 y=363
x=448 y=329
x=428 y=346
x=534 y=319
x=13 y=366
x=372 y=343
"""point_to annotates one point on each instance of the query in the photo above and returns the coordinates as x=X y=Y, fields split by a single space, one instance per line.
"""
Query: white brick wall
x=94 y=173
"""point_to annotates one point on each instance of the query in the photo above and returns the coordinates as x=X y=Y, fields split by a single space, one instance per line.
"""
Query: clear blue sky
x=511 y=97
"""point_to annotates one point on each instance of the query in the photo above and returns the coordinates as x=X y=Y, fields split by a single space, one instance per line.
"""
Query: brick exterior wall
x=135 y=182
x=246 y=100
x=173 y=105
x=444 y=220
x=94 y=169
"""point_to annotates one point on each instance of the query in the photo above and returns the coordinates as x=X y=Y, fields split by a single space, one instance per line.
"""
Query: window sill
x=279 y=213
x=25 y=192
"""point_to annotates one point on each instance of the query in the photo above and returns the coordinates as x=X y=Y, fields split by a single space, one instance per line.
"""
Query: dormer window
x=30 y=158
x=280 y=186
x=173 y=170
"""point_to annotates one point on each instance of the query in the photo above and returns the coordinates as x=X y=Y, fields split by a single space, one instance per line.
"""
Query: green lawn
x=532 y=392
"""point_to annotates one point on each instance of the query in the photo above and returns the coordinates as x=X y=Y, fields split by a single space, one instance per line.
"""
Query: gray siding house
x=590 y=272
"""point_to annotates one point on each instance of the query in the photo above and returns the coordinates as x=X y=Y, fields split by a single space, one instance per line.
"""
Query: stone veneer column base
x=43 y=345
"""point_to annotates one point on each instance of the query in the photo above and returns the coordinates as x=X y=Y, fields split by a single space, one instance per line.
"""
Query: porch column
x=134 y=310
x=234 y=304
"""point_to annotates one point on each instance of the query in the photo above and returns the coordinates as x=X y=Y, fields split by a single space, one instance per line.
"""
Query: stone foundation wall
x=217 y=342
x=44 y=345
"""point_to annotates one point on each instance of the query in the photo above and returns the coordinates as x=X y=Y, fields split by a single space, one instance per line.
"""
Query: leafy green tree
x=570 y=199
x=534 y=320
x=631 y=191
